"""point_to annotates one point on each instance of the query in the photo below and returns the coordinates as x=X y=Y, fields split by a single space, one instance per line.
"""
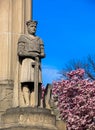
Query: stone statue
x=30 y=52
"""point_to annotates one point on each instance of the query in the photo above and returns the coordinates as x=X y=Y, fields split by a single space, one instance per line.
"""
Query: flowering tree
x=87 y=63
x=76 y=101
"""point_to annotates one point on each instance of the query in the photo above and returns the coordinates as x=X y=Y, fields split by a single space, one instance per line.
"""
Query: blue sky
x=67 y=28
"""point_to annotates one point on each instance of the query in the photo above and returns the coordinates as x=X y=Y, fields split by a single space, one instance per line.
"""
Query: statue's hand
x=37 y=58
x=42 y=55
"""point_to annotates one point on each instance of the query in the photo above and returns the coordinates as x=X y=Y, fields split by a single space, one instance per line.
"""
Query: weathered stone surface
x=47 y=96
x=28 y=118
x=6 y=95
x=13 y=14
x=26 y=128
x=61 y=125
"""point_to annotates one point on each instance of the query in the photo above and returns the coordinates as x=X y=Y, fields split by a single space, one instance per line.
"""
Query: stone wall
x=13 y=15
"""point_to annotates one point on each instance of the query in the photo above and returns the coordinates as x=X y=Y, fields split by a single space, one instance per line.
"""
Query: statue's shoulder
x=23 y=38
x=39 y=39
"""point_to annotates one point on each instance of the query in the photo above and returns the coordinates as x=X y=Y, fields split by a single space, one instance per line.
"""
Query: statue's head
x=31 y=26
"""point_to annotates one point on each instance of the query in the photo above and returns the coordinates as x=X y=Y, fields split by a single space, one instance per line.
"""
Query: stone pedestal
x=28 y=119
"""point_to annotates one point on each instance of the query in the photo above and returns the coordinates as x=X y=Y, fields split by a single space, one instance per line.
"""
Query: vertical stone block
x=13 y=15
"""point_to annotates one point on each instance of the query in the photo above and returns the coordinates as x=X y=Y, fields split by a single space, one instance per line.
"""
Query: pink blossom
x=76 y=100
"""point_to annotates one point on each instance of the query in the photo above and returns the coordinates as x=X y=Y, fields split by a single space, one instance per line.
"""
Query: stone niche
x=28 y=119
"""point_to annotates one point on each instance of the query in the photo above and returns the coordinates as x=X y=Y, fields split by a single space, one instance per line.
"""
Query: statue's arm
x=21 y=46
x=23 y=51
x=42 y=54
x=20 y=49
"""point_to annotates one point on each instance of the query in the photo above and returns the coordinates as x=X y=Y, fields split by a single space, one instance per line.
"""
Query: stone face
x=28 y=118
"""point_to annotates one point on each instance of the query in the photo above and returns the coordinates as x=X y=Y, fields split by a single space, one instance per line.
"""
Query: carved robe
x=28 y=49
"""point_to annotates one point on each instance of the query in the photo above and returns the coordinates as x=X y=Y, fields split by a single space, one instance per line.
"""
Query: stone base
x=28 y=118
x=25 y=128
